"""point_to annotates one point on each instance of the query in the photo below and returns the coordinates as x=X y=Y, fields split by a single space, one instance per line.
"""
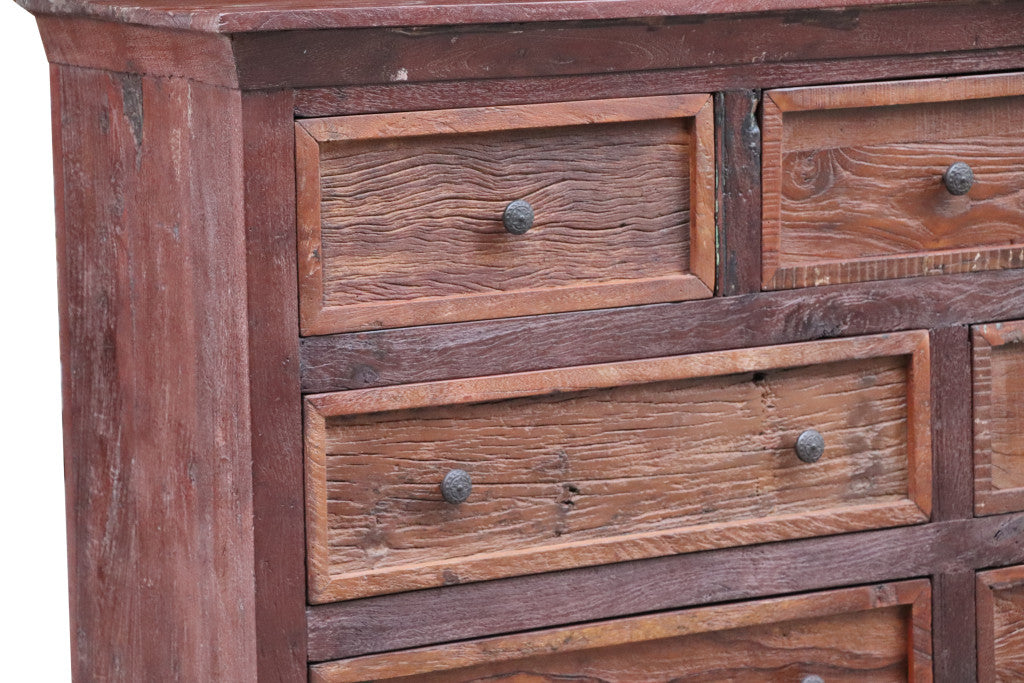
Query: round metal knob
x=518 y=217
x=812 y=678
x=456 y=486
x=810 y=446
x=958 y=178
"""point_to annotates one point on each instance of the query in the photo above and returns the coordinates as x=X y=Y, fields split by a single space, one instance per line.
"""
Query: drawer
x=875 y=633
x=401 y=217
x=1000 y=614
x=855 y=184
x=604 y=463
x=998 y=366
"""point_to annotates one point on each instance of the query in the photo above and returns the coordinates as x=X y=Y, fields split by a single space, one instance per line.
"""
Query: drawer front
x=606 y=463
x=854 y=183
x=998 y=361
x=870 y=633
x=400 y=216
x=1000 y=614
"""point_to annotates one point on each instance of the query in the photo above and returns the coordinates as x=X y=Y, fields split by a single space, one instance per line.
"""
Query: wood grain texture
x=791 y=43
x=950 y=349
x=350 y=361
x=323 y=58
x=152 y=51
x=739 y=188
x=1000 y=637
x=853 y=180
x=400 y=215
x=880 y=632
x=954 y=626
x=382 y=623
x=156 y=393
x=405 y=96
x=274 y=398
x=714 y=453
x=286 y=15
x=179 y=342
x=998 y=363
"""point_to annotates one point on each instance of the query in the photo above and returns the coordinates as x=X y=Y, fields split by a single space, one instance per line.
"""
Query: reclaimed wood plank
x=156 y=395
x=324 y=58
x=289 y=15
x=350 y=361
x=953 y=613
x=274 y=396
x=381 y=623
x=882 y=632
x=998 y=361
x=405 y=96
x=951 y=423
x=739 y=187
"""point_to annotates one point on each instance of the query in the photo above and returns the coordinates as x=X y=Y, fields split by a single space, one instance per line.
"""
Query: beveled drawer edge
x=915 y=593
x=323 y=586
x=891 y=93
x=862 y=95
x=985 y=338
x=698 y=283
x=988 y=582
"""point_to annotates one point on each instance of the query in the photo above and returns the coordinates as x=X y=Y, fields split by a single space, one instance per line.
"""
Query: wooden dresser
x=600 y=340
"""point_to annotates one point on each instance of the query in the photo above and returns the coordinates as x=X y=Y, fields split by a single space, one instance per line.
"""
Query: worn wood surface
x=781 y=49
x=152 y=51
x=285 y=15
x=881 y=632
x=853 y=180
x=400 y=215
x=739 y=186
x=954 y=623
x=714 y=453
x=998 y=364
x=348 y=361
x=382 y=623
x=156 y=394
x=1000 y=637
x=950 y=350
x=405 y=96
x=274 y=397
x=363 y=56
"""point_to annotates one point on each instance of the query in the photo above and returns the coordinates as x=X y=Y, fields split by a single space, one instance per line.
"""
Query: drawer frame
x=323 y=586
x=988 y=584
x=856 y=96
x=697 y=283
x=914 y=593
x=989 y=500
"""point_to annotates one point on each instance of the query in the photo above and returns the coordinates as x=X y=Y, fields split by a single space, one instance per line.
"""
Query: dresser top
x=282 y=15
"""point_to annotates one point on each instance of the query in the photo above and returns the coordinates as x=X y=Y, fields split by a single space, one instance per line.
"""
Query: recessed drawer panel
x=889 y=180
x=448 y=482
x=429 y=217
x=870 y=633
x=1000 y=615
x=998 y=417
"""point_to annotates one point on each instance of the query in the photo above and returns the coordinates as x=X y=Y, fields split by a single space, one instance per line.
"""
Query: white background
x=34 y=635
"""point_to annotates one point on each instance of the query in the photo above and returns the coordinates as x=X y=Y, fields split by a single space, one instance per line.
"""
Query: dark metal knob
x=958 y=178
x=518 y=217
x=810 y=446
x=456 y=486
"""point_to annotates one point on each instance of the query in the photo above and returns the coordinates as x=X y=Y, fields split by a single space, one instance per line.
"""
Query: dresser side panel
x=155 y=373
